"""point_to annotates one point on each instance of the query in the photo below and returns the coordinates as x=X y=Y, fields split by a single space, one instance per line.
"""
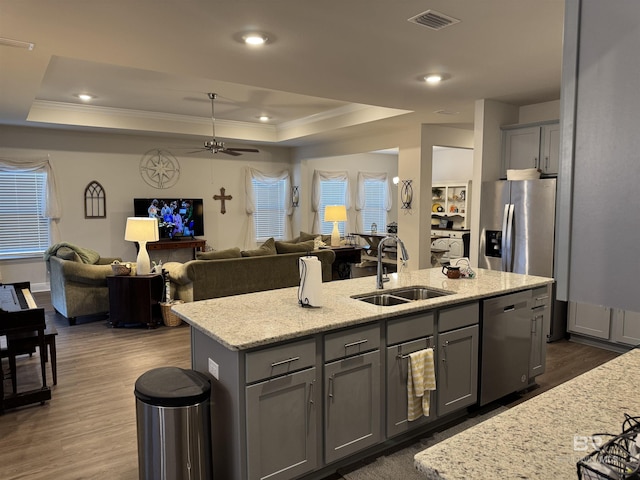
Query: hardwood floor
x=88 y=429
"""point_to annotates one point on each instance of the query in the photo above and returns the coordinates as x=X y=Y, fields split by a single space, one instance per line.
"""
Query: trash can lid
x=172 y=387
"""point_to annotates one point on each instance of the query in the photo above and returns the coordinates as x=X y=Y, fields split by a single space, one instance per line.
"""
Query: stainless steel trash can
x=174 y=425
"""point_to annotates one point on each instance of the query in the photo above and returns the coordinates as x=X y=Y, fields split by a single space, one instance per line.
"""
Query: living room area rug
x=399 y=464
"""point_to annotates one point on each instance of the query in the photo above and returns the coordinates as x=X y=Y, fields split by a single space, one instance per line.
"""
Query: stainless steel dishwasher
x=506 y=343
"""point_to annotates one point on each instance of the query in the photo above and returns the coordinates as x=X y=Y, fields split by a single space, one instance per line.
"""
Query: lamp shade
x=141 y=229
x=335 y=213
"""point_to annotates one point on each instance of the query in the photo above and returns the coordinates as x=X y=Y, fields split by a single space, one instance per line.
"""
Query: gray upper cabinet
x=550 y=154
x=535 y=146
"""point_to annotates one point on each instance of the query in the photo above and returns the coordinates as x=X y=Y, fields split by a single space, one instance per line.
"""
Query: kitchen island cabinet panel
x=282 y=426
x=397 y=376
x=457 y=370
x=352 y=405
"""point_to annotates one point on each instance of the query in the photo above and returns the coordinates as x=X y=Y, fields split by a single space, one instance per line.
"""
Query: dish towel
x=421 y=379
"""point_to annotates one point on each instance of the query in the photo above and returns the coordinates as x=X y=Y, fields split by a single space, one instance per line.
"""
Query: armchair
x=78 y=288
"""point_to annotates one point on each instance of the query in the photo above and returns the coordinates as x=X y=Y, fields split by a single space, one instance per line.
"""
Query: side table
x=135 y=299
x=345 y=256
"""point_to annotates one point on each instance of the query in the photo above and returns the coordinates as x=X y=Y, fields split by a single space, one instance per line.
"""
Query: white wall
x=452 y=165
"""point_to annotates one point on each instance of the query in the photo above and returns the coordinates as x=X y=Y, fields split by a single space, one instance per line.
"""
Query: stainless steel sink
x=382 y=299
x=418 y=293
x=400 y=296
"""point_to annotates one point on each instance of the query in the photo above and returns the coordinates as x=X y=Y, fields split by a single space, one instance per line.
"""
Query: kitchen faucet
x=403 y=252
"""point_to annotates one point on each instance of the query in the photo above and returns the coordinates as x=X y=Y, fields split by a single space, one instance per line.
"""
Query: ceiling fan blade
x=243 y=149
x=229 y=151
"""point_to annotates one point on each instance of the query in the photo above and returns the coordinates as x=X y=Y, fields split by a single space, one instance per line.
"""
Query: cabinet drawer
x=351 y=342
x=540 y=297
x=458 y=317
x=407 y=328
x=279 y=360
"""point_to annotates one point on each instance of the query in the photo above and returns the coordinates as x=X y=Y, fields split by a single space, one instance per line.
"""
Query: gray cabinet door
x=592 y=320
x=457 y=370
x=521 y=148
x=397 y=374
x=282 y=427
x=352 y=405
x=550 y=157
x=626 y=327
x=538 y=352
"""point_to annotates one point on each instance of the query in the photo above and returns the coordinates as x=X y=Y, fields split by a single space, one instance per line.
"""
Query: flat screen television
x=177 y=217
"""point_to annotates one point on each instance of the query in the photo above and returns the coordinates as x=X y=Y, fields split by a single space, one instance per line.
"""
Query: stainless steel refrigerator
x=517 y=234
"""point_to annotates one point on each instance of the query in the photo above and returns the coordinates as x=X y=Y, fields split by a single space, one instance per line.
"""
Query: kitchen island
x=298 y=392
x=544 y=437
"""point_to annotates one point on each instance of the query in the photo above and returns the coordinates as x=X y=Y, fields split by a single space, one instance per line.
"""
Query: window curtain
x=318 y=176
x=250 y=199
x=51 y=208
x=360 y=196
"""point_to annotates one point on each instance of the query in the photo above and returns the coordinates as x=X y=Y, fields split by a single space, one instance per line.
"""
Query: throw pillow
x=288 y=247
x=267 y=248
x=305 y=237
x=219 y=254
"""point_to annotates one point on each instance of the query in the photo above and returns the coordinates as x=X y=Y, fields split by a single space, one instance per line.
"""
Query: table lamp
x=335 y=214
x=142 y=230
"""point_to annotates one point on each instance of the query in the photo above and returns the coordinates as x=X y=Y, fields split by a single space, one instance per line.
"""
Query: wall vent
x=434 y=20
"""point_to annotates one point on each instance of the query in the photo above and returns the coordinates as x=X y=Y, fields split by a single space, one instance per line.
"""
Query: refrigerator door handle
x=510 y=238
x=504 y=245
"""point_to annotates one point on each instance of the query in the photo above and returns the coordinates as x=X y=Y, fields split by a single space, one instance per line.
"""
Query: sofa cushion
x=288 y=247
x=267 y=248
x=219 y=254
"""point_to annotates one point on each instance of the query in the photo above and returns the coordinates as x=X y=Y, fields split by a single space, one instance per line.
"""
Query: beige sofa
x=203 y=279
x=78 y=283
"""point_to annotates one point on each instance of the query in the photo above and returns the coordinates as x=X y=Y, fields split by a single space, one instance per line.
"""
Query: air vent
x=434 y=20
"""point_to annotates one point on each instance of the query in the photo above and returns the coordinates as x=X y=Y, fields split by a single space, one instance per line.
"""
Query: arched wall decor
x=95 y=201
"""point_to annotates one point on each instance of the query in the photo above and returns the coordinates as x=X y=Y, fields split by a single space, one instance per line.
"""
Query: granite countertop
x=544 y=437
x=246 y=321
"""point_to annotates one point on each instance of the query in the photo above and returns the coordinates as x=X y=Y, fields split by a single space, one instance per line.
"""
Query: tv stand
x=171 y=244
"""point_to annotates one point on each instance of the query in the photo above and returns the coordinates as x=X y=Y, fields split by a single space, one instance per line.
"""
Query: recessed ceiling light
x=433 y=78
x=264 y=118
x=255 y=39
x=85 y=97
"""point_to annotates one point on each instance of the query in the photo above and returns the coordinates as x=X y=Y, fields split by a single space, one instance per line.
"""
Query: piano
x=19 y=313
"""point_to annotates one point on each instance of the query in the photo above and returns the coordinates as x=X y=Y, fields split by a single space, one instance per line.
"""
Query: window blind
x=24 y=231
x=270 y=213
x=374 y=210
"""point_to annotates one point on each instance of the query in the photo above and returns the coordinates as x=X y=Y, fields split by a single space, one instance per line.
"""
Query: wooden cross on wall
x=222 y=197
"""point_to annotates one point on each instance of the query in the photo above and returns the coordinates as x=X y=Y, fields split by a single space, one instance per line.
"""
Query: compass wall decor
x=159 y=168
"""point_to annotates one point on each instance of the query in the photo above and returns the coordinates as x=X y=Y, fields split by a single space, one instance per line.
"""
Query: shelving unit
x=451 y=201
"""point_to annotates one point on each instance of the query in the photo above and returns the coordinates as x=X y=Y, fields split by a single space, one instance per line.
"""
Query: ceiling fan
x=215 y=146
